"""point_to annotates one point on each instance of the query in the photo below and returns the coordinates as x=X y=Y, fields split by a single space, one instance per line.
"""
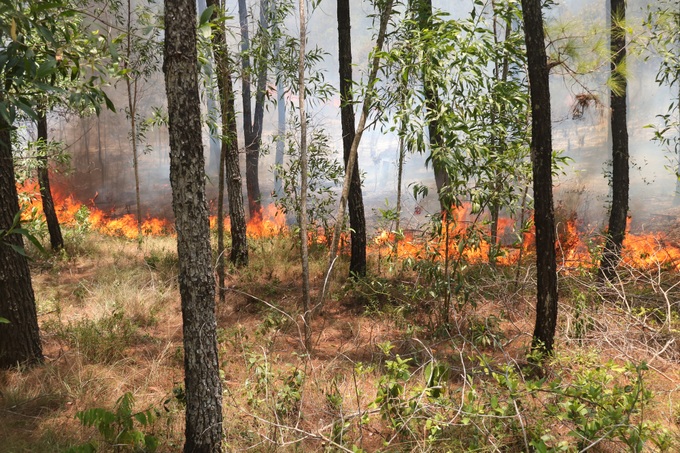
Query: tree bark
x=620 y=177
x=307 y=318
x=541 y=159
x=252 y=126
x=357 y=220
x=353 y=152
x=432 y=104
x=196 y=282
x=239 y=240
x=56 y=239
x=20 y=339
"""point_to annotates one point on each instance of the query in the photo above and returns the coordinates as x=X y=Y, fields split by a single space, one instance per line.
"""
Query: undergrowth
x=390 y=370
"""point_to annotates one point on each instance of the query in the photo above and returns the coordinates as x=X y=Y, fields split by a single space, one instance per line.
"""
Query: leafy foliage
x=480 y=80
x=122 y=429
x=46 y=49
x=325 y=173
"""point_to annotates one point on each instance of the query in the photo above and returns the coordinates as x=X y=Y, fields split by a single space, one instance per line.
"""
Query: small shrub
x=121 y=429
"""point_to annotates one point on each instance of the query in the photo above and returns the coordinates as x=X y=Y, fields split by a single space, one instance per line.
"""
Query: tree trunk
x=252 y=127
x=432 y=104
x=620 y=178
x=131 y=84
x=281 y=128
x=56 y=239
x=196 y=282
x=20 y=339
x=239 y=240
x=99 y=151
x=303 y=181
x=353 y=152
x=501 y=74
x=541 y=159
x=357 y=220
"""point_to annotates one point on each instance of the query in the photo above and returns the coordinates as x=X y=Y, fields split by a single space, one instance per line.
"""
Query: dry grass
x=111 y=323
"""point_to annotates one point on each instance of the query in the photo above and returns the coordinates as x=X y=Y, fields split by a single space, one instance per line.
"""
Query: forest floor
x=388 y=371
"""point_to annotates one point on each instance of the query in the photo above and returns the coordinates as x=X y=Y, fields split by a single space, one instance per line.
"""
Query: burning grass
x=386 y=374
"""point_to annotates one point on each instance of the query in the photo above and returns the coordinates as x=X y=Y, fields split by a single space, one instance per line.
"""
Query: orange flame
x=642 y=251
x=70 y=212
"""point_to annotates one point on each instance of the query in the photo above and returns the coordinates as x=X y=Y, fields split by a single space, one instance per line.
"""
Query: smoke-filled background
x=102 y=155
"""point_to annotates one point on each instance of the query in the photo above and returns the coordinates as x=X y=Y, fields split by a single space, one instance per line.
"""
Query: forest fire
x=469 y=238
x=72 y=212
x=465 y=235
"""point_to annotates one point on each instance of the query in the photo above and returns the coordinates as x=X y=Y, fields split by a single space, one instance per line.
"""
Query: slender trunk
x=220 y=225
x=196 y=282
x=541 y=159
x=400 y=177
x=99 y=150
x=230 y=162
x=281 y=136
x=501 y=74
x=252 y=127
x=365 y=110
x=131 y=84
x=620 y=177
x=20 y=338
x=307 y=318
x=86 y=141
x=281 y=127
x=56 y=239
x=357 y=220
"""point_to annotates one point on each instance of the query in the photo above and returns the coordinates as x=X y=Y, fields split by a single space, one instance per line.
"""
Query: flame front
x=71 y=212
x=460 y=237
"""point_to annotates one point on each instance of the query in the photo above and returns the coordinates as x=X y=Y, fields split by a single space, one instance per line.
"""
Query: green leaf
x=205 y=16
x=205 y=30
x=4 y=320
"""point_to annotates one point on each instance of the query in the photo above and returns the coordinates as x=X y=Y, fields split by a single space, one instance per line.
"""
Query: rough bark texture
x=541 y=159
x=432 y=104
x=252 y=126
x=357 y=220
x=56 y=239
x=20 y=339
x=237 y=216
x=620 y=177
x=196 y=282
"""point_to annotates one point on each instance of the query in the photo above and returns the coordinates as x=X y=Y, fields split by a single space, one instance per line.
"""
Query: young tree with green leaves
x=35 y=57
x=433 y=105
x=196 y=281
x=136 y=64
x=304 y=184
x=663 y=22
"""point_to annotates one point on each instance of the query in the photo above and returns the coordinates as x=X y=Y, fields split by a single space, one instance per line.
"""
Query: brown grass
x=276 y=397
